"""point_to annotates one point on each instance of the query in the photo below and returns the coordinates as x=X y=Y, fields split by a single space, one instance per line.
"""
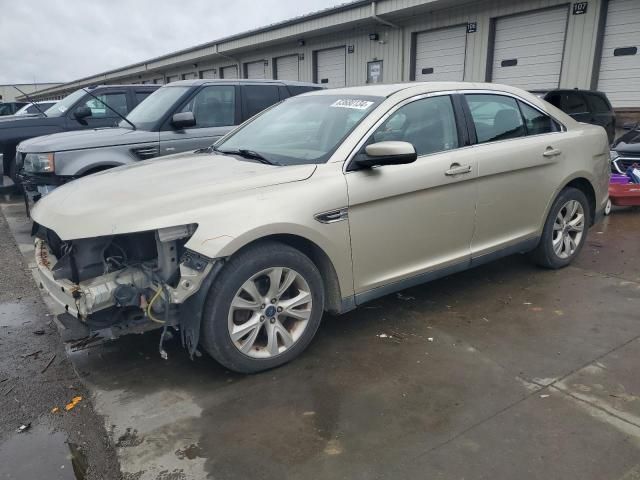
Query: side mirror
x=183 y=120
x=387 y=153
x=82 y=112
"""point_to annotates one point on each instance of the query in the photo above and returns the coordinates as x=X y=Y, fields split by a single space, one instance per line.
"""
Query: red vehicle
x=622 y=193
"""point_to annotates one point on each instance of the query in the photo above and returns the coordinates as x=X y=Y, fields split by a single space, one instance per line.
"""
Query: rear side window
x=428 y=124
x=598 y=104
x=537 y=122
x=495 y=117
x=572 y=103
x=298 y=89
x=256 y=98
x=140 y=96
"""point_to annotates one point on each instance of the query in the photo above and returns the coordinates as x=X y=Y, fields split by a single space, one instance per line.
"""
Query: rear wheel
x=564 y=231
x=264 y=309
x=608 y=207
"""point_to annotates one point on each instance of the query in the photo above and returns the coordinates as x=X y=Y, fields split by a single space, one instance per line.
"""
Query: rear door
x=216 y=111
x=519 y=150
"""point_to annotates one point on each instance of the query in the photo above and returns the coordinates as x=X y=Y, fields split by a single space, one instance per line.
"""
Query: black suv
x=587 y=106
x=77 y=111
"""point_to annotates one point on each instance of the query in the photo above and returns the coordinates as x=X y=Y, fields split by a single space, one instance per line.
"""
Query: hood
x=628 y=143
x=18 y=121
x=83 y=139
x=163 y=192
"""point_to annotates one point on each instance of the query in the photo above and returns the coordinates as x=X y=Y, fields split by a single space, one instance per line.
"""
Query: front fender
x=332 y=239
x=77 y=162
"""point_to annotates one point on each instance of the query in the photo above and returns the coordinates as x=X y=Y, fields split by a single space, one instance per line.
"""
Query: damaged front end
x=129 y=283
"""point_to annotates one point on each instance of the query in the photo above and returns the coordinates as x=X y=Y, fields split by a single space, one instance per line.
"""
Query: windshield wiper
x=246 y=153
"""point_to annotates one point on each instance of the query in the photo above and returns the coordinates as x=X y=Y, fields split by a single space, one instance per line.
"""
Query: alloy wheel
x=568 y=229
x=269 y=312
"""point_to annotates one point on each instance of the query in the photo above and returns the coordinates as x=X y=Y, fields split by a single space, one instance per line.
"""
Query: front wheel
x=565 y=230
x=264 y=308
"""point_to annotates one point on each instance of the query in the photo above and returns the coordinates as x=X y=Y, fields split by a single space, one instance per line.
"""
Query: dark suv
x=587 y=106
x=76 y=111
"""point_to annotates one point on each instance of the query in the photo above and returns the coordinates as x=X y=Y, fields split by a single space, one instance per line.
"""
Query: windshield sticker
x=350 y=103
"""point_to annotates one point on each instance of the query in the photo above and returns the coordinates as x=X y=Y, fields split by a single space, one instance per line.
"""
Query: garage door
x=211 y=73
x=229 y=72
x=331 y=67
x=287 y=68
x=439 y=55
x=189 y=76
x=256 y=69
x=620 y=63
x=528 y=49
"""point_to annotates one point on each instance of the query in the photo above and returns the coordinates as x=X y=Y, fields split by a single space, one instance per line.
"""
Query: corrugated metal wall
x=351 y=28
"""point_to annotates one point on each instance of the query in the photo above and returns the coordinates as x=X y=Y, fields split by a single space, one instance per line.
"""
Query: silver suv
x=179 y=117
x=319 y=204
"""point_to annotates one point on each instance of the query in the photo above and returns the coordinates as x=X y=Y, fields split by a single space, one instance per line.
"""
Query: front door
x=408 y=220
x=215 y=111
x=101 y=116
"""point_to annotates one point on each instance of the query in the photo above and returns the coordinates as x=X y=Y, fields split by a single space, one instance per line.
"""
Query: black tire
x=215 y=337
x=544 y=254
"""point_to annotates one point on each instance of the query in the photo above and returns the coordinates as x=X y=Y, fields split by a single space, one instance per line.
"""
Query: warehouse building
x=8 y=92
x=533 y=44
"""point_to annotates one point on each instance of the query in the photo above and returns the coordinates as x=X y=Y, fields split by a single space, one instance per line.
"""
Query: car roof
x=569 y=90
x=239 y=81
x=413 y=88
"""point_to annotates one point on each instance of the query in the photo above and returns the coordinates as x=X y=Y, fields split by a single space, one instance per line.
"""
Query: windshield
x=32 y=109
x=151 y=110
x=301 y=130
x=65 y=104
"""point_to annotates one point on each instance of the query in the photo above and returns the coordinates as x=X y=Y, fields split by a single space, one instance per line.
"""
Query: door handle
x=457 y=169
x=551 y=152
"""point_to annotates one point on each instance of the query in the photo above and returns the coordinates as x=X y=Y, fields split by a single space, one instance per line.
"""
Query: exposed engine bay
x=135 y=282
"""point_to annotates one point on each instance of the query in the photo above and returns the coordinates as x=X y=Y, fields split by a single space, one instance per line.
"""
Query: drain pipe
x=392 y=25
x=379 y=19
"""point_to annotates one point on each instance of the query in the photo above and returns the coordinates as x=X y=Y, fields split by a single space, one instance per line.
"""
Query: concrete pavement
x=506 y=371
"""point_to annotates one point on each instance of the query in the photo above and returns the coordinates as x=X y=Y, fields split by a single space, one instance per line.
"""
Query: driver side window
x=213 y=106
x=428 y=124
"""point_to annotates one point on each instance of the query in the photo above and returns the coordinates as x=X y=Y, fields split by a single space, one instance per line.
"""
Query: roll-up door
x=620 y=63
x=287 y=68
x=229 y=72
x=439 y=54
x=256 y=70
x=331 y=67
x=528 y=49
x=211 y=73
